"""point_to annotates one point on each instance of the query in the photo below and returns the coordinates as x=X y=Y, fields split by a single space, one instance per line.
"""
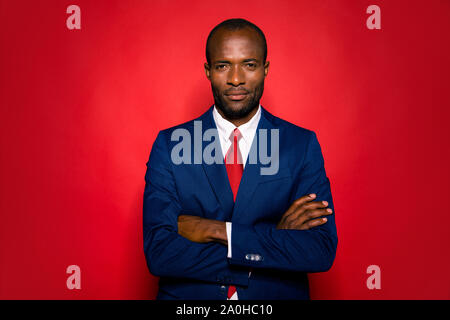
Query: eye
x=220 y=67
x=251 y=65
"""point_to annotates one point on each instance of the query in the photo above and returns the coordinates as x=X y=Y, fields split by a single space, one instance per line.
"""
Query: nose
x=236 y=76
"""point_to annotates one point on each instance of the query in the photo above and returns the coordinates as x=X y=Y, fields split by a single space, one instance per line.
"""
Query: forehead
x=236 y=45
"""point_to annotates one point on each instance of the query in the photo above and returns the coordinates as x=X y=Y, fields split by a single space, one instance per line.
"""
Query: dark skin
x=237 y=74
x=237 y=66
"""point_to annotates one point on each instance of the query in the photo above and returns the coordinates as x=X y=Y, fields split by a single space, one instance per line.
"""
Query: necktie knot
x=233 y=155
x=235 y=134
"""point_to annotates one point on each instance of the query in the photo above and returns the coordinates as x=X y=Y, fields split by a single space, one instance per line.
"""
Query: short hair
x=232 y=25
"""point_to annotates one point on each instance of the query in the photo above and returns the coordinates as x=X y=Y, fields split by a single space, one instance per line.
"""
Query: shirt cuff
x=228 y=226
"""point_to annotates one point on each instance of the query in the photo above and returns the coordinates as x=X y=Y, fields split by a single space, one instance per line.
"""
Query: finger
x=313 y=223
x=308 y=211
x=312 y=214
x=315 y=205
x=298 y=203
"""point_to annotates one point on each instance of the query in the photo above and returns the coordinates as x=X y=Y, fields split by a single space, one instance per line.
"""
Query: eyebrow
x=246 y=60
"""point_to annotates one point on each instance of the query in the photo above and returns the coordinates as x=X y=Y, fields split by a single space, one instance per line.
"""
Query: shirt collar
x=247 y=129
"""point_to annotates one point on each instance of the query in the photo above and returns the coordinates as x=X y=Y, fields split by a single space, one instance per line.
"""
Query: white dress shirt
x=248 y=131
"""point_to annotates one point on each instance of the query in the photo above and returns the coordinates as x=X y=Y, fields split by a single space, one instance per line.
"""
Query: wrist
x=217 y=232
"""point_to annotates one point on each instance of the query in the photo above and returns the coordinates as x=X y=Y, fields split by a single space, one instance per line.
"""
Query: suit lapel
x=218 y=177
x=252 y=174
x=217 y=174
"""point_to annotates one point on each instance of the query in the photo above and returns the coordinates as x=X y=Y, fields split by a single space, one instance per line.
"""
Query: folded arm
x=310 y=250
x=168 y=254
x=302 y=241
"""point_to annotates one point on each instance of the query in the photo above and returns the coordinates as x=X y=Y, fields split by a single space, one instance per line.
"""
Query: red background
x=80 y=110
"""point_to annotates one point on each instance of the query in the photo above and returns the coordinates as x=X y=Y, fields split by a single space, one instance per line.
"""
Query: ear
x=266 y=68
x=207 y=71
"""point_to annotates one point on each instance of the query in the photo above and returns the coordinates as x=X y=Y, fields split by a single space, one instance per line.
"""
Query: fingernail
x=324 y=219
x=312 y=195
x=329 y=210
x=325 y=203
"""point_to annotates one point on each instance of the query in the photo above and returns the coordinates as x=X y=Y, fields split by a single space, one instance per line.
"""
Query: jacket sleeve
x=313 y=250
x=167 y=253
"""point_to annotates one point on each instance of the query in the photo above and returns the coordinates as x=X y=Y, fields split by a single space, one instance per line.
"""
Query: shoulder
x=188 y=125
x=290 y=131
x=299 y=146
x=185 y=127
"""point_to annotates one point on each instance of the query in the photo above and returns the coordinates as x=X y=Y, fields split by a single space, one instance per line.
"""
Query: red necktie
x=235 y=168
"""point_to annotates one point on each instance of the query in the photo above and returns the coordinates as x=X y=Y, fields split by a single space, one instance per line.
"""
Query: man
x=227 y=230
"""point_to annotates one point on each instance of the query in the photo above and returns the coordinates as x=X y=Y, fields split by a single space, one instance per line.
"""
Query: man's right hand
x=304 y=214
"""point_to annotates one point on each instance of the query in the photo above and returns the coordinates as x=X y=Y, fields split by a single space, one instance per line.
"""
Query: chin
x=237 y=110
x=238 y=106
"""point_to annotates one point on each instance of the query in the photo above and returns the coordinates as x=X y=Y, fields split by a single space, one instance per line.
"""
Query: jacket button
x=253 y=257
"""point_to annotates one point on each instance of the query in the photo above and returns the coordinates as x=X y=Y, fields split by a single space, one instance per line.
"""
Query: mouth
x=237 y=96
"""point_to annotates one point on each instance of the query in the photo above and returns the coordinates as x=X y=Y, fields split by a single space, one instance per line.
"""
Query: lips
x=237 y=95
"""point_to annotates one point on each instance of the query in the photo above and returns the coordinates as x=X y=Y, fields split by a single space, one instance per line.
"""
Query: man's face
x=237 y=71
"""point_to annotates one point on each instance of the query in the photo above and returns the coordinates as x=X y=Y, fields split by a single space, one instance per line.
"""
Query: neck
x=240 y=121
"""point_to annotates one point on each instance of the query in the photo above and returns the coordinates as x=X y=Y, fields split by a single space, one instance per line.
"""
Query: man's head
x=236 y=53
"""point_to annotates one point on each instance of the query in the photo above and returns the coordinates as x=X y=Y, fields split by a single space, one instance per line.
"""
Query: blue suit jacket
x=190 y=270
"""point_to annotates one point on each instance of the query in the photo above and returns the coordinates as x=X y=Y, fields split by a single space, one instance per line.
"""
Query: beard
x=248 y=105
